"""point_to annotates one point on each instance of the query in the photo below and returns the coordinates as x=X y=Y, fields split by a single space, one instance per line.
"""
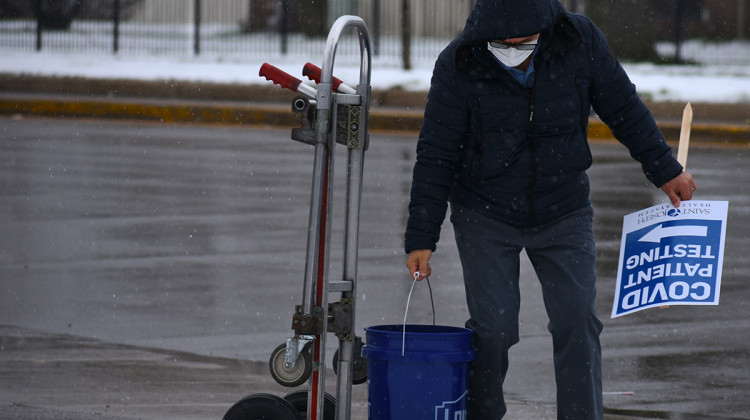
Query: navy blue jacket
x=515 y=154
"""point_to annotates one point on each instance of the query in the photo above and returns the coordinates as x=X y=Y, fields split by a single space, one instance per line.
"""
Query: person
x=504 y=142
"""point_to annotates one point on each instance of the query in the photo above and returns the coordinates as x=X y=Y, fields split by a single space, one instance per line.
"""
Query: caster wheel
x=262 y=407
x=299 y=400
x=297 y=376
x=359 y=374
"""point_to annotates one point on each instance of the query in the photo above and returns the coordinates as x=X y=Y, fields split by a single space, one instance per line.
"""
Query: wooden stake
x=682 y=148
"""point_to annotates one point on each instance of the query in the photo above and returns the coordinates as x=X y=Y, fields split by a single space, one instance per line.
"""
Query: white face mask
x=511 y=56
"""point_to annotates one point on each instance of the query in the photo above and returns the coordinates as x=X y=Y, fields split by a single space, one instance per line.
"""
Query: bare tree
x=406 y=34
x=56 y=15
x=628 y=26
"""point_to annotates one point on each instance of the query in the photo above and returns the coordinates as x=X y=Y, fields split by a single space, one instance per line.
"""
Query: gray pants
x=563 y=256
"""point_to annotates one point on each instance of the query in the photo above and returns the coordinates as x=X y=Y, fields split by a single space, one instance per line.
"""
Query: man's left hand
x=679 y=188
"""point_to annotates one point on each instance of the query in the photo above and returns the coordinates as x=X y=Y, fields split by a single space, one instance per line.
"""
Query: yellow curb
x=195 y=113
x=395 y=120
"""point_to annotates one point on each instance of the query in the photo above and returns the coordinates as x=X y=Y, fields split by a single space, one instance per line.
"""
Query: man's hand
x=679 y=188
x=418 y=261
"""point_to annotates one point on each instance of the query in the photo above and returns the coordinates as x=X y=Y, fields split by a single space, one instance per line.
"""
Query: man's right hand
x=418 y=260
x=679 y=188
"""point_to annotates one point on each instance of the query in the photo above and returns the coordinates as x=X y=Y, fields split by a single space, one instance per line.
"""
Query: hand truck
x=334 y=113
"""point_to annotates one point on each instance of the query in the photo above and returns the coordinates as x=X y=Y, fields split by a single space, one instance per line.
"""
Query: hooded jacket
x=518 y=154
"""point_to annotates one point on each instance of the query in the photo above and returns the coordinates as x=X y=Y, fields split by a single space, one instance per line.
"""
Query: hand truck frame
x=334 y=113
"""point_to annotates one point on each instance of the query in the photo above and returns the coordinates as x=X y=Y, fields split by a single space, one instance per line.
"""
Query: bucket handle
x=406 y=311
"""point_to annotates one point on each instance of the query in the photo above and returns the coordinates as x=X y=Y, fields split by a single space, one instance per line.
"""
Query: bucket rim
x=419 y=329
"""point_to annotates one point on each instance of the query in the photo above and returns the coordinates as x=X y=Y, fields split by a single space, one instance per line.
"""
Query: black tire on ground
x=262 y=407
x=299 y=400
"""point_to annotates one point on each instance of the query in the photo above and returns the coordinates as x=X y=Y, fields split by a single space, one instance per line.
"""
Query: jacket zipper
x=532 y=158
x=584 y=112
x=476 y=173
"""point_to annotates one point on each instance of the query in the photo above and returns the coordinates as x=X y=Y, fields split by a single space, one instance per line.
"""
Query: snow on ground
x=719 y=84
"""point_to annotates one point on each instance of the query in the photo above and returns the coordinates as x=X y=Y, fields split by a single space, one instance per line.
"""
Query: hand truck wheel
x=262 y=406
x=359 y=374
x=299 y=400
x=298 y=375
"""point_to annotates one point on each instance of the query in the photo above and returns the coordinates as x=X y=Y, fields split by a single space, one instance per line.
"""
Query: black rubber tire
x=359 y=375
x=302 y=369
x=298 y=399
x=262 y=407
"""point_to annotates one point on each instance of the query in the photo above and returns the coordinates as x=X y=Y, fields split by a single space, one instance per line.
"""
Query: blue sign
x=671 y=256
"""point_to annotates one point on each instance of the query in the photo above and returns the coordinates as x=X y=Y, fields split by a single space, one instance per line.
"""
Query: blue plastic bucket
x=428 y=381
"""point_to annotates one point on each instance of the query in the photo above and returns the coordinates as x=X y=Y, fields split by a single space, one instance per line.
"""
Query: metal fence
x=244 y=29
x=223 y=29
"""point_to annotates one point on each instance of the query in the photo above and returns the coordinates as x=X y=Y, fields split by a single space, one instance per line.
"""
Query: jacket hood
x=504 y=19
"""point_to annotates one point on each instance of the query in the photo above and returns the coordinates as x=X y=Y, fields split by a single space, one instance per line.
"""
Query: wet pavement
x=147 y=271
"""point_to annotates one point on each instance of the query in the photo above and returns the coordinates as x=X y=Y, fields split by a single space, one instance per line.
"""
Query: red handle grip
x=279 y=77
x=313 y=72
